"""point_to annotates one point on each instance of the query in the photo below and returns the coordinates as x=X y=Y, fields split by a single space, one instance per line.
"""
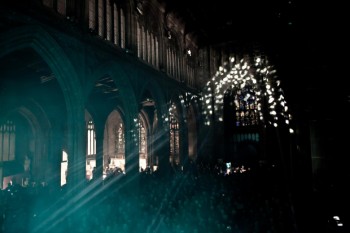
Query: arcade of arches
x=125 y=88
x=61 y=59
x=47 y=129
x=121 y=97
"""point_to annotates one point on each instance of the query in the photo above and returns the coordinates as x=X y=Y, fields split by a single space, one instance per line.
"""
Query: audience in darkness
x=199 y=198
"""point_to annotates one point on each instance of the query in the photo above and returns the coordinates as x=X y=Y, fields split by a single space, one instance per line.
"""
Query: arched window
x=91 y=145
x=143 y=144
x=91 y=150
x=114 y=144
x=7 y=141
x=119 y=140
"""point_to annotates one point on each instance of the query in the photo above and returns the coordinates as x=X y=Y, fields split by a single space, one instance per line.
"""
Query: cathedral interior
x=164 y=116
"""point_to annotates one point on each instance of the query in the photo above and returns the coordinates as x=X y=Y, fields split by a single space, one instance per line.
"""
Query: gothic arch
x=40 y=127
x=31 y=157
x=43 y=43
x=177 y=129
x=127 y=105
x=158 y=95
x=114 y=142
x=121 y=79
x=144 y=135
x=152 y=93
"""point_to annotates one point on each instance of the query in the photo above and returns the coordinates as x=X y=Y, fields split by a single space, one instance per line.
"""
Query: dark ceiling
x=222 y=20
x=306 y=39
x=283 y=25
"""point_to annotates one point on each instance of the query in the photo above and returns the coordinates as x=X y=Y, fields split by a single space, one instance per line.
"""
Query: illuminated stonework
x=174 y=136
x=258 y=97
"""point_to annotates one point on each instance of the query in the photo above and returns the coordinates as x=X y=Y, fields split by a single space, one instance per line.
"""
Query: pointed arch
x=256 y=92
x=118 y=74
x=116 y=71
x=143 y=140
x=39 y=127
x=155 y=90
x=114 y=143
x=158 y=140
x=44 y=44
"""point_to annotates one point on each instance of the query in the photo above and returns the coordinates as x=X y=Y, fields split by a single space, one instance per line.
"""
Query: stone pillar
x=99 y=131
x=184 y=142
x=131 y=147
x=76 y=179
x=55 y=158
x=162 y=149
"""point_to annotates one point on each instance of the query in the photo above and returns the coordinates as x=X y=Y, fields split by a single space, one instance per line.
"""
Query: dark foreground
x=248 y=202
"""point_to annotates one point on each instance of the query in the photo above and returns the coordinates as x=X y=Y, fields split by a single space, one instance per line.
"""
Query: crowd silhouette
x=199 y=198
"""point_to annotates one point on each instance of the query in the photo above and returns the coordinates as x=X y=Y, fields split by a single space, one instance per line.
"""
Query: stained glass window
x=246 y=107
